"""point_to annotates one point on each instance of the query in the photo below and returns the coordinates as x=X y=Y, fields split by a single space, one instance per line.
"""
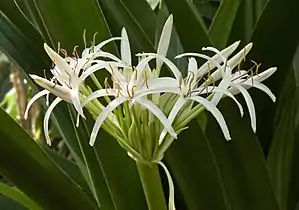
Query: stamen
x=106 y=84
x=64 y=52
x=145 y=80
x=75 y=53
x=243 y=59
x=180 y=82
x=84 y=38
x=58 y=47
x=70 y=84
x=190 y=79
x=257 y=67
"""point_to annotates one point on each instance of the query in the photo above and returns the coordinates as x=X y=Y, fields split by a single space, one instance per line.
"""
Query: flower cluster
x=143 y=111
x=141 y=103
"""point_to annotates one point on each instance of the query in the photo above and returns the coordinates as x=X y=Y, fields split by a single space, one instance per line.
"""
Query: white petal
x=250 y=105
x=172 y=115
x=235 y=60
x=171 y=203
x=208 y=65
x=102 y=44
x=223 y=85
x=76 y=102
x=158 y=113
x=57 y=59
x=265 y=74
x=98 y=94
x=192 y=65
x=104 y=114
x=33 y=99
x=262 y=87
x=163 y=82
x=215 y=112
x=211 y=60
x=58 y=90
x=47 y=117
x=106 y=55
x=227 y=93
x=125 y=50
x=213 y=49
x=144 y=92
x=176 y=72
x=93 y=69
x=164 y=41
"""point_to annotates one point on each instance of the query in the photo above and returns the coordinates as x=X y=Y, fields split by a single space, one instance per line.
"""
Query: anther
x=84 y=38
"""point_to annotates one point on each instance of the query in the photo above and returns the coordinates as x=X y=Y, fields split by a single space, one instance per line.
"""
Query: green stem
x=152 y=186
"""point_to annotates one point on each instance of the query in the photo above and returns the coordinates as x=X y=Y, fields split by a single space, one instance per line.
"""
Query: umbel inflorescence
x=142 y=110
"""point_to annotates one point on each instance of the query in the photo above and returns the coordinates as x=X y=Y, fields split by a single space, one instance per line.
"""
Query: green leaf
x=94 y=176
x=223 y=22
x=275 y=44
x=65 y=21
x=282 y=158
x=69 y=167
x=193 y=33
x=241 y=162
x=195 y=171
x=18 y=47
x=140 y=24
x=41 y=178
x=18 y=196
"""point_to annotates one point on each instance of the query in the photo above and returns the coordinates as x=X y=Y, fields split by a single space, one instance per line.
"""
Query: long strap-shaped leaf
x=27 y=165
x=223 y=22
x=18 y=196
x=189 y=25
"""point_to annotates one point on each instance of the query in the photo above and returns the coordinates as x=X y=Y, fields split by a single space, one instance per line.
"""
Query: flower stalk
x=152 y=186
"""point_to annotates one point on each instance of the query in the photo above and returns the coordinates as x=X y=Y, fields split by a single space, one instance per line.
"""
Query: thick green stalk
x=152 y=186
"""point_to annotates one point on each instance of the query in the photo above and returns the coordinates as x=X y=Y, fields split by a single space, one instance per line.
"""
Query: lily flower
x=128 y=83
x=191 y=88
x=68 y=76
x=242 y=80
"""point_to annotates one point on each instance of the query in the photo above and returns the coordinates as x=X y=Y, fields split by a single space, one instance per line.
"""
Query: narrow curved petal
x=192 y=65
x=125 y=50
x=106 y=55
x=158 y=113
x=250 y=105
x=98 y=94
x=215 y=112
x=227 y=93
x=213 y=49
x=263 y=88
x=57 y=59
x=57 y=90
x=210 y=66
x=33 y=99
x=47 y=118
x=172 y=115
x=92 y=69
x=76 y=102
x=104 y=114
x=223 y=85
x=102 y=44
x=163 y=82
x=164 y=41
x=236 y=59
x=176 y=72
x=265 y=74
x=171 y=203
x=210 y=60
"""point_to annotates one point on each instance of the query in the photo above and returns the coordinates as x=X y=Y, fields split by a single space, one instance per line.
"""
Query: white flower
x=188 y=88
x=68 y=76
x=243 y=80
x=127 y=84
